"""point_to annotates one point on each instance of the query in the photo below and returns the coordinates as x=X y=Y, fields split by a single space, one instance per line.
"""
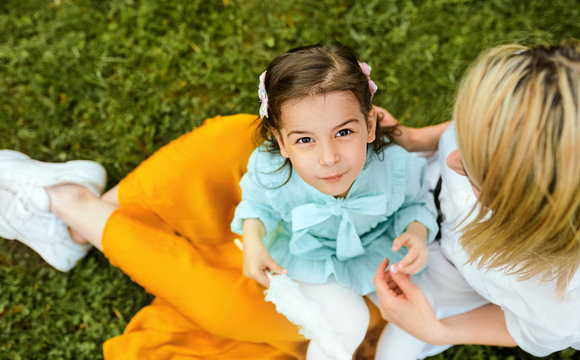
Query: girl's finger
x=399 y=242
x=418 y=263
x=277 y=269
x=262 y=279
x=406 y=262
x=412 y=269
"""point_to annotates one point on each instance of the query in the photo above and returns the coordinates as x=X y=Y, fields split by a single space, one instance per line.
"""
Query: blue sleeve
x=419 y=204
x=256 y=202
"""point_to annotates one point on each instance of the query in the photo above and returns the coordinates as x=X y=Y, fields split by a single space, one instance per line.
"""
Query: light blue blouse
x=315 y=235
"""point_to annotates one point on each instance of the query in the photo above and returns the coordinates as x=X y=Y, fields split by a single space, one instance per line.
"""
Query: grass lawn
x=113 y=81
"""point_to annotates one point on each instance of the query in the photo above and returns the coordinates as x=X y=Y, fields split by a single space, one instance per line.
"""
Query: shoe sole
x=81 y=172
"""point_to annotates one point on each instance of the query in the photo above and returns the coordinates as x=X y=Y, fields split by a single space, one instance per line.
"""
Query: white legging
x=346 y=312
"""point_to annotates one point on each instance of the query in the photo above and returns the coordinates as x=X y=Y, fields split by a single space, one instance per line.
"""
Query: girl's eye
x=344 y=132
x=304 y=140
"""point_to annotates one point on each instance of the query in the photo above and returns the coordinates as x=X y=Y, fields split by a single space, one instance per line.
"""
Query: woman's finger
x=404 y=283
x=382 y=277
x=387 y=119
x=382 y=269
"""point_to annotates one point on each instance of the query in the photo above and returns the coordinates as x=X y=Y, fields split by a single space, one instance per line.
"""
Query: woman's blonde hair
x=518 y=128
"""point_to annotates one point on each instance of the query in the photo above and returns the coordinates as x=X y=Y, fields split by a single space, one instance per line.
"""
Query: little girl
x=325 y=199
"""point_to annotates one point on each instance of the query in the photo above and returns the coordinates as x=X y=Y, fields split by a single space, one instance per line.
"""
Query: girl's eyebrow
x=303 y=132
x=298 y=132
x=346 y=123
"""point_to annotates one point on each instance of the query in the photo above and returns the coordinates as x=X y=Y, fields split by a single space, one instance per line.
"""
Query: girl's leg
x=110 y=197
x=172 y=235
x=394 y=343
x=83 y=212
x=346 y=312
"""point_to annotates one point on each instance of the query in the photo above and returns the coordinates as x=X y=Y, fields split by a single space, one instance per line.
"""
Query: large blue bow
x=348 y=243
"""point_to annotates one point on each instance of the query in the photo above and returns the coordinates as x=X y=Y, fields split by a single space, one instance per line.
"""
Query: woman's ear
x=280 y=141
x=372 y=125
x=455 y=164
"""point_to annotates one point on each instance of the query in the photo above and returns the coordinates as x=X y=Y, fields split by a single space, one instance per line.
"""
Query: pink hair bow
x=263 y=95
x=366 y=69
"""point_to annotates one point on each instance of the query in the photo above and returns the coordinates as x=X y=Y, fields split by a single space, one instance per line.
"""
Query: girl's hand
x=414 y=239
x=405 y=305
x=257 y=260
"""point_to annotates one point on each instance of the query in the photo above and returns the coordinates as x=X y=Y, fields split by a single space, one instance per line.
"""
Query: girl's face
x=325 y=137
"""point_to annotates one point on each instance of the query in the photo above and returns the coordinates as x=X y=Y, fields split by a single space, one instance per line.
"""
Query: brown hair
x=312 y=70
x=518 y=128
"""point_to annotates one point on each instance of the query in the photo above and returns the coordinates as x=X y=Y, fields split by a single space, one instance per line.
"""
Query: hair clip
x=263 y=95
x=366 y=69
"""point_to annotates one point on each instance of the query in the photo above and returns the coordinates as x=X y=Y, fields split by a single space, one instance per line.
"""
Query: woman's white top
x=539 y=322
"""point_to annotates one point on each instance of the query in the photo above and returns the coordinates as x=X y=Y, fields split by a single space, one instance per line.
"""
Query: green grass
x=114 y=80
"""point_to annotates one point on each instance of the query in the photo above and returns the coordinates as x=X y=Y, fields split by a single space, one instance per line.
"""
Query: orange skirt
x=171 y=234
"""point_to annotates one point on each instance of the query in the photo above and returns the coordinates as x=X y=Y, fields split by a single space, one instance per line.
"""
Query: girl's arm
x=405 y=305
x=257 y=260
x=413 y=139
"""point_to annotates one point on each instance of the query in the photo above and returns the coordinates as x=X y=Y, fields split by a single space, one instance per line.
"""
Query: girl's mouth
x=332 y=179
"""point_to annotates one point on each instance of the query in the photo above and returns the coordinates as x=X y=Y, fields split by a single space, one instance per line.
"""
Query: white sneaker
x=18 y=169
x=24 y=216
x=24 y=204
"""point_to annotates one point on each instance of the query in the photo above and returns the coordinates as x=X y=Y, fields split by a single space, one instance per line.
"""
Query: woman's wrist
x=421 y=139
x=443 y=334
x=484 y=326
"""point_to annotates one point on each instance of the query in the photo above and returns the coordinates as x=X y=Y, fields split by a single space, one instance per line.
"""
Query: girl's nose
x=328 y=155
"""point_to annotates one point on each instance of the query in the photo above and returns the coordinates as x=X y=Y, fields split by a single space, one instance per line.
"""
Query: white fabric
x=539 y=323
x=345 y=310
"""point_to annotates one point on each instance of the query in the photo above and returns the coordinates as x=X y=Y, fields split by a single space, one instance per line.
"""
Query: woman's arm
x=484 y=325
x=413 y=139
x=405 y=305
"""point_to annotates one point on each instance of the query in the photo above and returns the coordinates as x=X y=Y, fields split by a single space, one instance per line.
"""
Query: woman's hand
x=257 y=260
x=414 y=239
x=405 y=305
x=412 y=139
x=385 y=117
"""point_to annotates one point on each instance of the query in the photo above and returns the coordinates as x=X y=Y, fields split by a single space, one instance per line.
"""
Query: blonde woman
x=506 y=270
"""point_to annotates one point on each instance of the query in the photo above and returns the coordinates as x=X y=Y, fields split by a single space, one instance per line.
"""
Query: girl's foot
x=17 y=169
x=25 y=207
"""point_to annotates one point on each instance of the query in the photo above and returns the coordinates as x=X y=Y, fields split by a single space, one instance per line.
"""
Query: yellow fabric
x=171 y=235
